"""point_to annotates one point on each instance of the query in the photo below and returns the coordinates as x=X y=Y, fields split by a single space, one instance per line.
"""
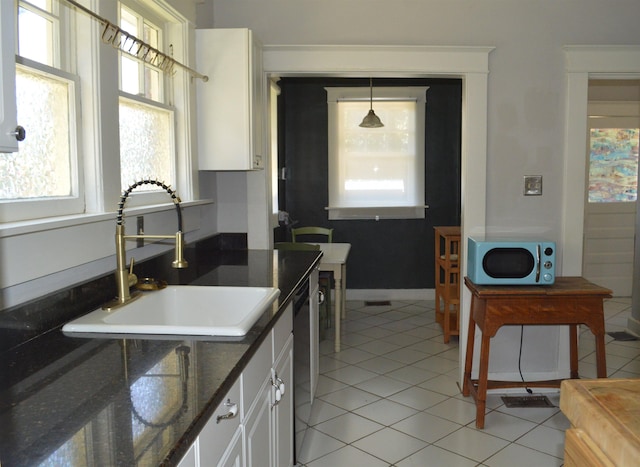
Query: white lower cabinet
x=190 y=459
x=253 y=426
x=269 y=421
x=256 y=396
x=234 y=454
x=283 y=409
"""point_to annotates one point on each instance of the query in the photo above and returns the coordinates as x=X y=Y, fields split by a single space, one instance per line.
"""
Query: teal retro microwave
x=494 y=261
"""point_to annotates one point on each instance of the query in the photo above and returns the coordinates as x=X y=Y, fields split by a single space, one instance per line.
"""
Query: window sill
x=377 y=212
x=10 y=229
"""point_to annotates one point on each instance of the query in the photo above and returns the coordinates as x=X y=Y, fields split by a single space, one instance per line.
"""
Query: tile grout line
x=365 y=320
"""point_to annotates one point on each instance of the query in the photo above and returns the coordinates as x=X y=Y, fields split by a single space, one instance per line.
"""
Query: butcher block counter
x=605 y=422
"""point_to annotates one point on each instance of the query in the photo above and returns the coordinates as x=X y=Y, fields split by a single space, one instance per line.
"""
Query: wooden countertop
x=608 y=411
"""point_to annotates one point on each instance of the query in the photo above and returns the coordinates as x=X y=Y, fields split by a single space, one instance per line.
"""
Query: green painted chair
x=315 y=231
x=325 y=313
x=325 y=235
x=295 y=246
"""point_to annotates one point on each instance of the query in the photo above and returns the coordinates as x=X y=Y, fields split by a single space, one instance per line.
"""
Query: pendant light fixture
x=371 y=120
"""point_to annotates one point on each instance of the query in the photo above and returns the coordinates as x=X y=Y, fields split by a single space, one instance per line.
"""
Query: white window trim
x=388 y=93
x=34 y=208
x=98 y=97
x=10 y=229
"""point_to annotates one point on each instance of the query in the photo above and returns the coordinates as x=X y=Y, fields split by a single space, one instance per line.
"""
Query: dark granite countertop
x=129 y=400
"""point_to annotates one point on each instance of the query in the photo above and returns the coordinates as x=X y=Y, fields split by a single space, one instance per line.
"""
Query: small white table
x=334 y=259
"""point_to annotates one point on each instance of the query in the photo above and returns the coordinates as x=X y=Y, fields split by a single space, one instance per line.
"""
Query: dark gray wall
x=385 y=254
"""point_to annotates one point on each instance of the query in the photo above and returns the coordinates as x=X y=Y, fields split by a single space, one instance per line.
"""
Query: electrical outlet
x=532 y=185
x=140 y=231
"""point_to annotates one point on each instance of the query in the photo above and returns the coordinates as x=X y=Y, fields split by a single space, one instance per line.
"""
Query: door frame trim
x=581 y=64
x=471 y=64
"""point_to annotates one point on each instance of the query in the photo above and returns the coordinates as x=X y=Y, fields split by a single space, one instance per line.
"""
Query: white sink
x=183 y=310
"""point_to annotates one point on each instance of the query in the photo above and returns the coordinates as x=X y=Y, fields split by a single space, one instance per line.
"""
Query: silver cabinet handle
x=233 y=411
x=280 y=387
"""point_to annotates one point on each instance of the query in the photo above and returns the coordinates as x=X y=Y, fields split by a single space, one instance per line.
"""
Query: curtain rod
x=131 y=45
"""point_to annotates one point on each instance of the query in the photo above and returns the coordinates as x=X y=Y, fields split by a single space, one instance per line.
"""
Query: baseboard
x=633 y=324
x=390 y=294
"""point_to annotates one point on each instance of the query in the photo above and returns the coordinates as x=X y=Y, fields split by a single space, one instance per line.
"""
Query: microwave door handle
x=537 y=263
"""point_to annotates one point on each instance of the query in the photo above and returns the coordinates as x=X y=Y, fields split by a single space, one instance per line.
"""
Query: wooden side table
x=570 y=301
x=447 y=279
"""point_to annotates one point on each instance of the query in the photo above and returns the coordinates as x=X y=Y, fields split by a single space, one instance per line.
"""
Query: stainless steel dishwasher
x=301 y=365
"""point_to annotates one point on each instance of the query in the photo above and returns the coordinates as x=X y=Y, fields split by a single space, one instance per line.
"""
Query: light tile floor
x=391 y=397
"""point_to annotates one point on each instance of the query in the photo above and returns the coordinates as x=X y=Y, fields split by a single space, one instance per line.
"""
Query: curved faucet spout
x=124 y=277
x=125 y=194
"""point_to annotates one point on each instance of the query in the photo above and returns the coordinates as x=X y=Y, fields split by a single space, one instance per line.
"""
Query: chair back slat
x=295 y=246
x=321 y=231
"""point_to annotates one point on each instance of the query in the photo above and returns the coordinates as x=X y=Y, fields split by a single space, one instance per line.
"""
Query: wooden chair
x=318 y=232
x=295 y=246
x=324 y=287
x=325 y=278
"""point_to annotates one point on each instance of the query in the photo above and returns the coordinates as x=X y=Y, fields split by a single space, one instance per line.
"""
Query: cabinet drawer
x=218 y=433
x=255 y=373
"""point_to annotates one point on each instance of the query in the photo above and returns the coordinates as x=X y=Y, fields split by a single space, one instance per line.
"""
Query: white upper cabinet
x=8 y=118
x=231 y=104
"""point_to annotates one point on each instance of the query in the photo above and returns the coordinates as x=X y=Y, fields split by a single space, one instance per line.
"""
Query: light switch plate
x=532 y=185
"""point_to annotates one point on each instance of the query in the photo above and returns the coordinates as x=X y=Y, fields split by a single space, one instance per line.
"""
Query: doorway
x=582 y=64
x=471 y=64
x=387 y=255
x=610 y=207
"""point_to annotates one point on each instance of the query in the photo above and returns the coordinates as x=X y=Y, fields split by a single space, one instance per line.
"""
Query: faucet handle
x=132 y=278
x=179 y=262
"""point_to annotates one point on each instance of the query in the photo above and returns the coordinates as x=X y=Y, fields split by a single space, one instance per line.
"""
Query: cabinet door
x=190 y=459
x=233 y=456
x=229 y=104
x=218 y=434
x=283 y=416
x=258 y=429
x=8 y=117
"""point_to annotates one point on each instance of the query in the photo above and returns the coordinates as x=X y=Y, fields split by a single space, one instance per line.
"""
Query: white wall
x=526 y=98
x=526 y=80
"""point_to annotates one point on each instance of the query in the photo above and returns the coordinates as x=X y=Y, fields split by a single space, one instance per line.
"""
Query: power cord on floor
x=520 y=360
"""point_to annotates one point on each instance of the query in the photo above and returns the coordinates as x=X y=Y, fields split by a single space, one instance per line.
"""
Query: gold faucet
x=125 y=277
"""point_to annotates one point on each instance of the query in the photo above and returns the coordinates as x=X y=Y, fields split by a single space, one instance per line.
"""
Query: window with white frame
x=376 y=172
x=67 y=166
x=146 y=119
x=44 y=178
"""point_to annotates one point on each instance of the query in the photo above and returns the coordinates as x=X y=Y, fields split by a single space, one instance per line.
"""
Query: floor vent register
x=526 y=401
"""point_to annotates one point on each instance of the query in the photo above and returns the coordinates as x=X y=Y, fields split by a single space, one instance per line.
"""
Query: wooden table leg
x=601 y=356
x=468 y=360
x=596 y=325
x=483 y=376
x=343 y=273
x=573 y=350
x=337 y=320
